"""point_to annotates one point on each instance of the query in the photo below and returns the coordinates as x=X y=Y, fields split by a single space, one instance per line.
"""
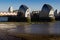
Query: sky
x=32 y=4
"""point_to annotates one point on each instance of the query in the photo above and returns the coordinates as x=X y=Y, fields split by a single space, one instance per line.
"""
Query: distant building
x=24 y=10
x=4 y=16
x=47 y=11
x=15 y=10
x=8 y=13
x=10 y=9
x=35 y=12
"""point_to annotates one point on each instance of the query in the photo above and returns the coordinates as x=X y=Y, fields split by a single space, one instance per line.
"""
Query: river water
x=42 y=28
x=14 y=28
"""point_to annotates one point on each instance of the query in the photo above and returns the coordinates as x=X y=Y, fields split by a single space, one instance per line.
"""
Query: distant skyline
x=32 y=4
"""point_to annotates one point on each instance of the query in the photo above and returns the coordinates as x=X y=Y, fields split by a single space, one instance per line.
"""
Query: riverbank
x=37 y=37
x=28 y=22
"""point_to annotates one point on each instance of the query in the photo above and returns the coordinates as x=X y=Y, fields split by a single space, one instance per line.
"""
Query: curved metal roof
x=23 y=7
x=47 y=6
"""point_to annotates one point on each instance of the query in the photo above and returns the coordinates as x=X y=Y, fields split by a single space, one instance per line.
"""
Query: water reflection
x=54 y=28
x=7 y=26
x=43 y=28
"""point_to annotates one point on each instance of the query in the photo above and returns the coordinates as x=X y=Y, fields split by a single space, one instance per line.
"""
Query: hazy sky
x=32 y=4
